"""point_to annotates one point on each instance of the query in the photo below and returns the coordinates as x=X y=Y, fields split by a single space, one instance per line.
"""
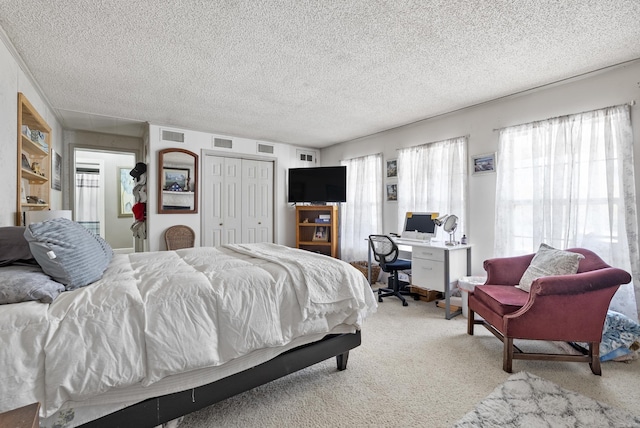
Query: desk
x=435 y=266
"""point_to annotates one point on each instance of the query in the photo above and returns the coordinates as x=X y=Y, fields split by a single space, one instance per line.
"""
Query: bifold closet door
x=257 y=201
x=237 y=201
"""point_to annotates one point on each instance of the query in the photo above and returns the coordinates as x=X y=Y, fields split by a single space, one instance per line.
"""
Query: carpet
x=526 y=400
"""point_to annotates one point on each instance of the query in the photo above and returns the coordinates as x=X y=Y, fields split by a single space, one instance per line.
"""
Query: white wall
x=199 y=143
x=14 y=79
x=618 y=85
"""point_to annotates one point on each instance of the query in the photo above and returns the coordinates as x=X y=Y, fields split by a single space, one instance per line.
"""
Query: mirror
x=177 y=182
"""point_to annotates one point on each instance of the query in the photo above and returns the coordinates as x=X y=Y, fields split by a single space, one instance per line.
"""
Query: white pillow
x=547 y=262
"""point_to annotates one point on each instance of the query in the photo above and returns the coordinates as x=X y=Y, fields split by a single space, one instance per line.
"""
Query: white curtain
x=569 y=182
x=433 y=178
x=361 y=215
x=87 y=203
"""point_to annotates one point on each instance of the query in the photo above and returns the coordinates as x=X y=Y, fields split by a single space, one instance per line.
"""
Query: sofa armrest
x=580 y=282
x=506 y=270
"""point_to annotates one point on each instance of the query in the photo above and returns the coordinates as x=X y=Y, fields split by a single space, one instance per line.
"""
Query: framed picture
x=392 y=168
x=484 y=163
x=126 y=199
x=320 y=233
x=392 y=192
x=25 y=162
x=56 y=170
x=175 y=179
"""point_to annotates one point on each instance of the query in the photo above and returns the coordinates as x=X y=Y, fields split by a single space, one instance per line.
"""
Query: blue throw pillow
x=68 y=252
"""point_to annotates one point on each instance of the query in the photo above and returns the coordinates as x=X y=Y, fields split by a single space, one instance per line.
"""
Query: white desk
x=435 y=266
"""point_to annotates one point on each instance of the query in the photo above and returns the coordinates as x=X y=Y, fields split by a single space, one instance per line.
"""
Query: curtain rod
x=630 y=104
x=432 y=142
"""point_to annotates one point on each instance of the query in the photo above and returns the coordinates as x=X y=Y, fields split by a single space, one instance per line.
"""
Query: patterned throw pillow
x=68 y=252
x=549 y=261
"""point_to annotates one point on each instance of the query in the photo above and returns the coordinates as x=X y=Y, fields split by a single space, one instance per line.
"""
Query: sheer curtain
x=569 y=182
x=361 y=215
x=433 y=177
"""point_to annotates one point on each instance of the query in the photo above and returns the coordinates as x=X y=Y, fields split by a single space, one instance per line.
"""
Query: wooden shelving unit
x=312 y=235
x=30 y=183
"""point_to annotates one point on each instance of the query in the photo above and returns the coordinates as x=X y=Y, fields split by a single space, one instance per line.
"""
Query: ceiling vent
x=176 y=137
x=222 y=143
x=265 y=148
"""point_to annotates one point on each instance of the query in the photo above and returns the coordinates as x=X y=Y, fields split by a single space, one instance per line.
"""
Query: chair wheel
x=405 y=303
x=380 y=299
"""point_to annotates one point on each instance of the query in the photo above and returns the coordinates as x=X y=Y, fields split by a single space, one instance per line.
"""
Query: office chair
x=385 y=252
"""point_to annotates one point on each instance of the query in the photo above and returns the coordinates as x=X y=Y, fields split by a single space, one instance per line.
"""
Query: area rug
x=525 y=400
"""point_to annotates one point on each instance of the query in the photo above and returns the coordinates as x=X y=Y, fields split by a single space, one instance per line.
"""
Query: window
x=569 y=182
x=433 y=177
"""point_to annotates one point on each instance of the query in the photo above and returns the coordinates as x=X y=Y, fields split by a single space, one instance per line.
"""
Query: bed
x=141 y=339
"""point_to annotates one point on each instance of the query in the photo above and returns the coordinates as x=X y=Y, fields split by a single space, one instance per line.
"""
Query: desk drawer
x=427 y=274
x=428 y=253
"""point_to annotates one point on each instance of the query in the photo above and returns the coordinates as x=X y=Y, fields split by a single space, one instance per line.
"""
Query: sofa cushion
x=501 y=299
x=549 y=261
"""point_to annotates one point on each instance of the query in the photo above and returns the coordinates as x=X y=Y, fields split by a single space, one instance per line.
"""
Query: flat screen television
x=318 y=185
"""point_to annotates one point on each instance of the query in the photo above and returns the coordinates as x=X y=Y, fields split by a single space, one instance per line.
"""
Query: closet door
x=222 y=216
x=237 y=201
x=257 y=201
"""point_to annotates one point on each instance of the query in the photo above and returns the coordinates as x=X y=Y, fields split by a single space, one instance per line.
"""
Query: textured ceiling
x=311 y=73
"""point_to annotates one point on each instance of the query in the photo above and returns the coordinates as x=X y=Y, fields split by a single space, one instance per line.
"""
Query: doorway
x=102 y=195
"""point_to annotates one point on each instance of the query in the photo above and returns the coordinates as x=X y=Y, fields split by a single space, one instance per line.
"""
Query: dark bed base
x=156 y=411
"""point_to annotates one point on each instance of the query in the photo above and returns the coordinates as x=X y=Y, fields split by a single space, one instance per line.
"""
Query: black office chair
x=385 y=252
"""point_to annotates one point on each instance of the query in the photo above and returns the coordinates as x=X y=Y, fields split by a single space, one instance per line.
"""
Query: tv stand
x=315 y=235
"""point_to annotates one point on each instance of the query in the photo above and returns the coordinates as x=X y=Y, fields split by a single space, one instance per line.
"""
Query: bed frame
x=159 y=410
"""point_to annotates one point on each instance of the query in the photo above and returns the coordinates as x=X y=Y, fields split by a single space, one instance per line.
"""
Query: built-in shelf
x=29 y=182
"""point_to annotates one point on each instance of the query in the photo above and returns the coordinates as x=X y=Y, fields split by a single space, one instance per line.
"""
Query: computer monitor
x=419 y=226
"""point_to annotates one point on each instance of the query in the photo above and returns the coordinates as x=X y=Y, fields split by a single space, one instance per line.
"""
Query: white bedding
x=158 y=316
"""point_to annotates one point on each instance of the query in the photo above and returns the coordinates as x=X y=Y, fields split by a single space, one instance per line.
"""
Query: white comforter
x=154 y=315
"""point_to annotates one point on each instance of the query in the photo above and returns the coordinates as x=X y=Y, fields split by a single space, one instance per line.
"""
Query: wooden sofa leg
x=470 y=322
x=507 y=354
x=594 y=354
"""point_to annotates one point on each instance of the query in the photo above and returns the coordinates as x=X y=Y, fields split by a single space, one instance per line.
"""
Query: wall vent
x=265 y=148
x=223 y=143
x=176 y=137
x=305 y=156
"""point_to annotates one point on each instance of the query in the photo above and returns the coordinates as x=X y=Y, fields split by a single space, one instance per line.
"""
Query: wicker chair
x=179 y=236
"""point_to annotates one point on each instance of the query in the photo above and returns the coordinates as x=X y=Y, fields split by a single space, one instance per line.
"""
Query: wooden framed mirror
x=177 y=182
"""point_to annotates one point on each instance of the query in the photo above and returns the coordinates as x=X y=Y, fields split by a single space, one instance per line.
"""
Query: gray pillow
x=547 y=262
x=25 y=283
x=68 y=252
x=13 y=247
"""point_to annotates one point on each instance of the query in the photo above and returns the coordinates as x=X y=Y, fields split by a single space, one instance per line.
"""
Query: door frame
x=139 y=244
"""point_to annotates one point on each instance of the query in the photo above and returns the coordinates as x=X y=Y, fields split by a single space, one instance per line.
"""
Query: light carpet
x=413 y=369
x=526 y=400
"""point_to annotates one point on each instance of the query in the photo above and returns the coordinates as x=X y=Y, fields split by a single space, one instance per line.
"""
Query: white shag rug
x=526 y=400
